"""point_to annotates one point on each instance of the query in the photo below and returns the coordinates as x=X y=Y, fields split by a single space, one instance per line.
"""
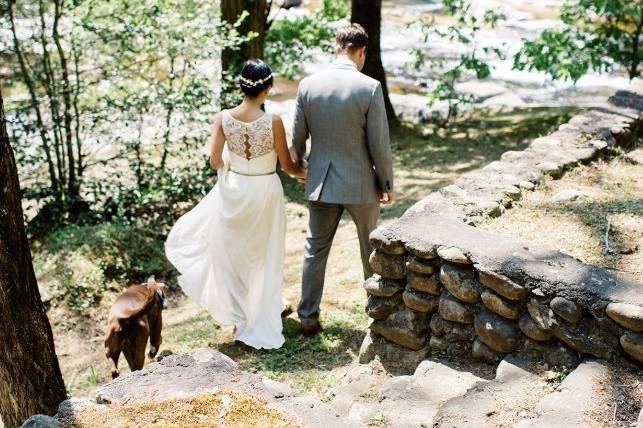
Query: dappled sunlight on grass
x=307 y=364
x=427 y=163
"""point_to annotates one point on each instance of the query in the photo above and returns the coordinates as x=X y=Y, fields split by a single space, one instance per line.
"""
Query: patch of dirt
x=623 y=396
x=623 y=392
x=594 y=213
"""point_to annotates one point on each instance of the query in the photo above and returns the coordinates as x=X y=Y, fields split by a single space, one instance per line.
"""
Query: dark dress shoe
x=310 y=330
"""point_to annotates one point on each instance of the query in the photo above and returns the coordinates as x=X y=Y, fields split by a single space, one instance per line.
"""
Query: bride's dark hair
x=255 y=77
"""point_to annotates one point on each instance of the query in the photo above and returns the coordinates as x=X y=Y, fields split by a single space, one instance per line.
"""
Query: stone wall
x=442 y=285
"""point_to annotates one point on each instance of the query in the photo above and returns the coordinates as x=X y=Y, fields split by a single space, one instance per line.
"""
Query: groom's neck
x=347 y=56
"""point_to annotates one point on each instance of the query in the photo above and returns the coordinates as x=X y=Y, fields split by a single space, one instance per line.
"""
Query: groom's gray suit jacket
x=343 y=111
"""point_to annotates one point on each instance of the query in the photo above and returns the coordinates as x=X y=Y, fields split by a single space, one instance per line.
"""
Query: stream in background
x=504 y=89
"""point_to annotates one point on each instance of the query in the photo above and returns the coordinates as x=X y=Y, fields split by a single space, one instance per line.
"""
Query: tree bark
x=368 y=13
x=232 y=60
x=24 y=69
x=30 y=377
x=73 y=189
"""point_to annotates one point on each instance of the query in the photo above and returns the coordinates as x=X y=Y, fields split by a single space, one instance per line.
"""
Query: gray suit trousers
x=322 y=225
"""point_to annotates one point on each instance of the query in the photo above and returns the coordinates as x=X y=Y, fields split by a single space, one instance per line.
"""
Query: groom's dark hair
x=351 y=37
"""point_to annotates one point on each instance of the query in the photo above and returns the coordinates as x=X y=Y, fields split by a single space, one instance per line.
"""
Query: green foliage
x=471 y=61
x=597 y=36
x=293 y=41
x=79 y=264
x=143 y=76
x=158 y=200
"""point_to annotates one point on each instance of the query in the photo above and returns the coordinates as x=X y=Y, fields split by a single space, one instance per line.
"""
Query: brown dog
x=134 y=317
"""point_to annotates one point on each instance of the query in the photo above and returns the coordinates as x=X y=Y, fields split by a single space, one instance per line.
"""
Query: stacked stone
x=438 y=300
x=402 y=295
x=443 y=285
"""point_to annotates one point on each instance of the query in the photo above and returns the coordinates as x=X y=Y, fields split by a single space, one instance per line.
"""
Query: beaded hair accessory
x=249 y=82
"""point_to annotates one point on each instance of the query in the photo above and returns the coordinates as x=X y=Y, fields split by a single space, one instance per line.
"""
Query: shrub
x=78 y=264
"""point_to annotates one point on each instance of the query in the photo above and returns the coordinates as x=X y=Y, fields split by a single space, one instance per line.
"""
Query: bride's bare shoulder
x=218 y=117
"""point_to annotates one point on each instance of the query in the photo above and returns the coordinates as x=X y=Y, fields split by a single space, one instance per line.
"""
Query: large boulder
x=405 y=327
x=387 y=265
x=451 y=309
x=179 y=375
x=378 y=286
x=627 y=315
x=461 y=282
x=380 y=308
x=496 y=332
x=206 y=371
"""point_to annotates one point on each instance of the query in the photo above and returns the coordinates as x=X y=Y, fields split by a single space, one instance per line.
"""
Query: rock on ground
x=39 y=421
x=514 y=391
x=569 y=404
x=402 y=401
x=201 y=371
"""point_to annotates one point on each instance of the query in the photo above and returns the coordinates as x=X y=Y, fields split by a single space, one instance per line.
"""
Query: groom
x=350 y=164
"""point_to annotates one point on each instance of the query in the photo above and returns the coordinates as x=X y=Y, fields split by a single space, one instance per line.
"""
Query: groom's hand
x=387 y=198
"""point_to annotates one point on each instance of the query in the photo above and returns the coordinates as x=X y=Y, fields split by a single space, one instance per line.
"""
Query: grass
x=219 y=409
x=425 y=164
x=614 y=196
x=307 y=364
x=380 y=420
x=422 y=165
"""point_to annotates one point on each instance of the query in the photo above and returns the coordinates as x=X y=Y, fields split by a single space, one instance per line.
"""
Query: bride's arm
x=218 y=140
x=281 y=147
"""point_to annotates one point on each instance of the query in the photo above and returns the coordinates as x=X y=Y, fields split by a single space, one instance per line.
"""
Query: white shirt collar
x=344 y=61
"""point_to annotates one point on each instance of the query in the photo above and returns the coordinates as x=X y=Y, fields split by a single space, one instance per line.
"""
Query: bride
x=229 y=249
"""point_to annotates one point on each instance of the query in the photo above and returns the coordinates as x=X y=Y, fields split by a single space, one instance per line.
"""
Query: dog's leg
x=112 y=349
x=129 y=355
x=113 y=356
x=156 y=325
x=139 y=343
x=139 y=357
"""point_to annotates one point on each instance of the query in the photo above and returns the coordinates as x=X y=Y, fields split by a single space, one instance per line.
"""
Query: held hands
x=387 y=198
x=301 y=175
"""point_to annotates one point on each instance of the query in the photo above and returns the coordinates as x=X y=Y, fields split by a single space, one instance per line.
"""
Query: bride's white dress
x=229 y=249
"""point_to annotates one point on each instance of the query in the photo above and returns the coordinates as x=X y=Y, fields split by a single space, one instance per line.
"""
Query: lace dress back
x=250 y=145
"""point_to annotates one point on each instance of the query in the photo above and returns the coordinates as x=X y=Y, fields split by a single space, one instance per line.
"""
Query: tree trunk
x=30 y=378
x=256 y=22
x=368 y=13
x=73 y=188
x=24 y=69
x=232 y=59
